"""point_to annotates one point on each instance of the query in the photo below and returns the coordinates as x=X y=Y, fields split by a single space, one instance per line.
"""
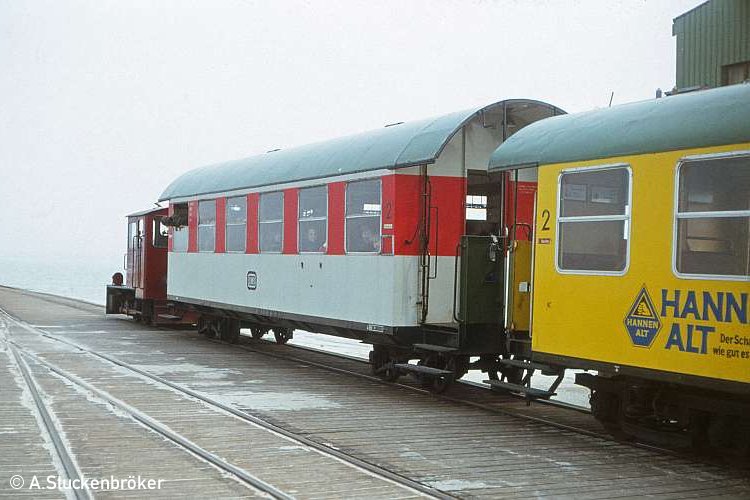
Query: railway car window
x=594 y=221
x=236 y=224
x=160 y=234
x=271 y=222
x=363 y=209
x=206 y=225
x=132 y=232
x=180 y=233
x=713 y=217
x=476 y=207
x=313 y=219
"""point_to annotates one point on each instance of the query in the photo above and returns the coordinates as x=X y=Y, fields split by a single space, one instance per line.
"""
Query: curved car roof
x=697 y=119
x=396 y=146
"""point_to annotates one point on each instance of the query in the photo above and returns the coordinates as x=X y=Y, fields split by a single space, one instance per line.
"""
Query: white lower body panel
x=379 y=290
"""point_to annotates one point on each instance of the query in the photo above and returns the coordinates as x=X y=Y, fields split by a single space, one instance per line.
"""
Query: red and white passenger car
x=368 y=236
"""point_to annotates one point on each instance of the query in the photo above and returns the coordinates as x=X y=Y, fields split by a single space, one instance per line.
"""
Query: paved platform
x=460 y=450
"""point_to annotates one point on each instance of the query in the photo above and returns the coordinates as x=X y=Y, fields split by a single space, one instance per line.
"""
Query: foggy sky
x=104 y=103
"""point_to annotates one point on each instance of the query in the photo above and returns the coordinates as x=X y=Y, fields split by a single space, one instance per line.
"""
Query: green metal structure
x=713 y=44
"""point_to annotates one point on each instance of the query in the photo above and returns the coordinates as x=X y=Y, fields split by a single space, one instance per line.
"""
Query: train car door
x=134 y=258
x=129 y=254
x=480 y=267
x=139 y=249
x=520 y=187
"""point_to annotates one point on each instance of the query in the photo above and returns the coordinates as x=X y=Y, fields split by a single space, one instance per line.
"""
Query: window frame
x=173 y=230
x=312 y=219
x=379 y=181
x=155 y=226
x=199 y=225
x=273 y=221
x=701 y=215
x=227 y=224
x=627 y=218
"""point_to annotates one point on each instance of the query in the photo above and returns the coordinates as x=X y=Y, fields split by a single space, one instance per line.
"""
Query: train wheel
x=441 y=384
x=229 y=330
x=606 y=408
x=382 y=364
x=282 y=335
x=512 y=374
x=424 y=380
x=438 y=384
x=257 y=332
x=459 y=365
x=378 y=358
x=390 y=372
x=489 y=366
x=206 y=327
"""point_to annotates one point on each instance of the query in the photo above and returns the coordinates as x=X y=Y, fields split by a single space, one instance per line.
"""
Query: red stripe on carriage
x=448 y=214
x=192 y=226
x=336 y=208
x=526 y=197
x=221 y=225
x=402 y=195
x=251 y=243
x=291 y=202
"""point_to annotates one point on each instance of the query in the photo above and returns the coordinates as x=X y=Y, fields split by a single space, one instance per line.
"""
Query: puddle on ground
x=461 y=485
x=224 y=383
x=283 y=401
x=200 y=371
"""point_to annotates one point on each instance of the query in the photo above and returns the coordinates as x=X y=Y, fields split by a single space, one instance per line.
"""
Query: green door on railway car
x=480 y=295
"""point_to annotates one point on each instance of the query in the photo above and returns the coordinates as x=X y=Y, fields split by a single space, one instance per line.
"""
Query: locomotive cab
x=144 y=293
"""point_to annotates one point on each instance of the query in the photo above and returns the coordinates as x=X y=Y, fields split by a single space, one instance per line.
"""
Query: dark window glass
x=363 y=235
x=593 y=246
x=363 y=207
x=313 y=219
x=180 y=233
x=593 y=224
x=715 y=185
x=713 y=217
x=206 y=225
x=603 y=192
x=236 y=225
x=160 y=234
x=271 y=222
x=271 y=206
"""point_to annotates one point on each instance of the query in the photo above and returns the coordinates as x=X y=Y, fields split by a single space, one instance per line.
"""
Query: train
x=512 y=239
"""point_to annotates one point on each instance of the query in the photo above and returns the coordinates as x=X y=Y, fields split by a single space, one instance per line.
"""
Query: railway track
x=181 y=441
x=468 y=442
x=468 y=393
x=61 y=450
x=152 y=424
x=464 y=396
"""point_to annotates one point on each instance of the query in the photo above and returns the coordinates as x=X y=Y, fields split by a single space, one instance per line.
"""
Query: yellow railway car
x=641 y=260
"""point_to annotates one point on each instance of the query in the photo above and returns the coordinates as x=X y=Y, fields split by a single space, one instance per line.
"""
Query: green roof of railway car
x=396 y=146
x=697 y=119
